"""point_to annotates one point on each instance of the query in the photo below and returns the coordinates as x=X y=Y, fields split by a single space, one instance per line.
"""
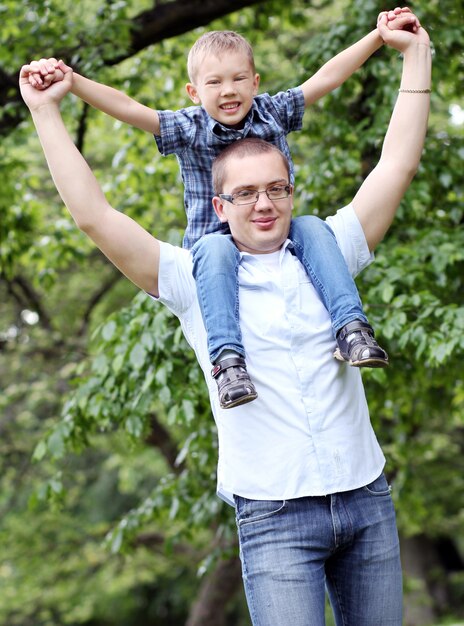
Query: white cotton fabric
x=308 y=433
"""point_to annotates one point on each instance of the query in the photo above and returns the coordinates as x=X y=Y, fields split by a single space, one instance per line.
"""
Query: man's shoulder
x=350 y=238
x=171 y=252
x=176 y=284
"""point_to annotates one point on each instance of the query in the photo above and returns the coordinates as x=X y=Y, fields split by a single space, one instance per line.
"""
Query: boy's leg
x=215 y=268
x=317 y=249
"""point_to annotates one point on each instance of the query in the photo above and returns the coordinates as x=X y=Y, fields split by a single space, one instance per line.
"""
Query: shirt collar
x=219 y=134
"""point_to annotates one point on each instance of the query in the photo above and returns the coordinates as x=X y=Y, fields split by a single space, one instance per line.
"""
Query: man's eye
x=277 y=191
x=245 y=194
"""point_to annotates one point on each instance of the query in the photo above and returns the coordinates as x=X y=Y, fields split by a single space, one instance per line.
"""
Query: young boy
x=224 y=83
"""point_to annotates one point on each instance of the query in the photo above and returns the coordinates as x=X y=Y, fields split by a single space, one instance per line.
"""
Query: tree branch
x=95 y=299
x=149 y=27
x=159 y=437
x=175 y=18
x=27 y=297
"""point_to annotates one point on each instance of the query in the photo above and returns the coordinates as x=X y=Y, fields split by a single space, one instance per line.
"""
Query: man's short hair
x=251 y=146
x=216 y=42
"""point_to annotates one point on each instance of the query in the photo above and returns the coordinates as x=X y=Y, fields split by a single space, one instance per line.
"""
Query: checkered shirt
x=196 y=139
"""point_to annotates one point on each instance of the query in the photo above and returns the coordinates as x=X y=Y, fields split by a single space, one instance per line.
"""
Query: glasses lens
x=246 y=196
x=277 y=192
x=249 y=196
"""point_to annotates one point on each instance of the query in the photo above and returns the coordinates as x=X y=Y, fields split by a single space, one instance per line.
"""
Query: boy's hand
x=45 y=72
x=35 y=97
x=400 y=19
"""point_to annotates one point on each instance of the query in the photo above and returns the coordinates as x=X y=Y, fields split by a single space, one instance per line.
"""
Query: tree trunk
x=215 y=592
x=425 y=576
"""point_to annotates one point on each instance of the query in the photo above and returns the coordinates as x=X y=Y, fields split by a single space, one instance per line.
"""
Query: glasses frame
x=232 y=197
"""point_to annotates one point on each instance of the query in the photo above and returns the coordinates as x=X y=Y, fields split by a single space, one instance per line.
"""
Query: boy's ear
x=192 y=93
x=218 y=207
x=256 y=80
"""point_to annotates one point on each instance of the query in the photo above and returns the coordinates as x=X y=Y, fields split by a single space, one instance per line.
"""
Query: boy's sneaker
x=233 y=381
x=357 y=346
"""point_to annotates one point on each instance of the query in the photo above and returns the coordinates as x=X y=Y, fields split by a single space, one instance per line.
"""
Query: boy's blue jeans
x=347 y=543
x=215 y=267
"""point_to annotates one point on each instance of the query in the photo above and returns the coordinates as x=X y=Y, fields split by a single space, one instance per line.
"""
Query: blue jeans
x=215 y=268
x=346 y=542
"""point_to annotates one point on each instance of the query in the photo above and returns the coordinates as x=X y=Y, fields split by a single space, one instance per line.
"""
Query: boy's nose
x=228 y=88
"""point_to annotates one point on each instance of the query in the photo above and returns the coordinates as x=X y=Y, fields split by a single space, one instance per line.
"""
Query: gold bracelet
x=415 y=90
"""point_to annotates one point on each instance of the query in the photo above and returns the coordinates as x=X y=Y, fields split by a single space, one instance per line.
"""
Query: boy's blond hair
x=216 y=42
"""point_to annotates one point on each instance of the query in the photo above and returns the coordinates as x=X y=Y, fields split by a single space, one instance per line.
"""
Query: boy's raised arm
x=127 y=245
x=102 y=97
x=336 y=71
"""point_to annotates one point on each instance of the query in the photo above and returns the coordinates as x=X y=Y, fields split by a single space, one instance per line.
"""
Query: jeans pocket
x=249 y=511
x=378 y=487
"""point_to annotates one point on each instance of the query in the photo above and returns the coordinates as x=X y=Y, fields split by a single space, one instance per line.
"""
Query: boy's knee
x=215 y=249
x=309 y=224
x=213 y=242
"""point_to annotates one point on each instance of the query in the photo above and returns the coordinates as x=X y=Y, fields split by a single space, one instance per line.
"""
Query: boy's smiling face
x=225 y=86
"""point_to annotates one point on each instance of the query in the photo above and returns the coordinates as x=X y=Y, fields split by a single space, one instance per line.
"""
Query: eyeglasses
x=251 y=196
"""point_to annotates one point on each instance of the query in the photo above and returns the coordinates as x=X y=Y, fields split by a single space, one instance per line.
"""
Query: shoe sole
x=240 y=401
x=365 y=363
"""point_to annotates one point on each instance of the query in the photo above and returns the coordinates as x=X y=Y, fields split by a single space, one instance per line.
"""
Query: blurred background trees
x=108 y=449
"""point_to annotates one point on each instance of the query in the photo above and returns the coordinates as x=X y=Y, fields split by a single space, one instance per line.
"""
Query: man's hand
x=401 y=30
x=400 y=19
x=35 y=94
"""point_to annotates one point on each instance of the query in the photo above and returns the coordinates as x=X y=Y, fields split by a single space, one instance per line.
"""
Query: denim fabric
x=215 y=268
x=317 y=249
x=348 y=542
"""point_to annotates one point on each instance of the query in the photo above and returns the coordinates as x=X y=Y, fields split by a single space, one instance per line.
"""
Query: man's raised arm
x=132 y=250
x=379 y=196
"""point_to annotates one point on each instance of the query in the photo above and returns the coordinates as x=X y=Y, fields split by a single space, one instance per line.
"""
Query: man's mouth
x=265 y=223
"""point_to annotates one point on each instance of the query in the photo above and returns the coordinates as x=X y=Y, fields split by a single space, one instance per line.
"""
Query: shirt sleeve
x=351 y=239
x=176 y=128
x=290 y=107
x=176 y=284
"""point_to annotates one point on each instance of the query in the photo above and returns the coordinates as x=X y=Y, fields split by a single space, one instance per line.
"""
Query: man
x=301 y=464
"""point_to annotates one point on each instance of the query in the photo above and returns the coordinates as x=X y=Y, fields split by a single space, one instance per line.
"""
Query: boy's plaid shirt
x=196 y=139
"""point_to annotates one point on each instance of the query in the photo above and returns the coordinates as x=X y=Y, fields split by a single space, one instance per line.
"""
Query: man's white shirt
x=308 y=433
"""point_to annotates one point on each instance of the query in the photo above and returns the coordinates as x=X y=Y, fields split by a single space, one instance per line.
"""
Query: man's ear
x=218 y=206
x=192 y=93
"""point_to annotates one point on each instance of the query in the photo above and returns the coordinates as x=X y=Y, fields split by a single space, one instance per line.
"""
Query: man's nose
x=263 y=203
